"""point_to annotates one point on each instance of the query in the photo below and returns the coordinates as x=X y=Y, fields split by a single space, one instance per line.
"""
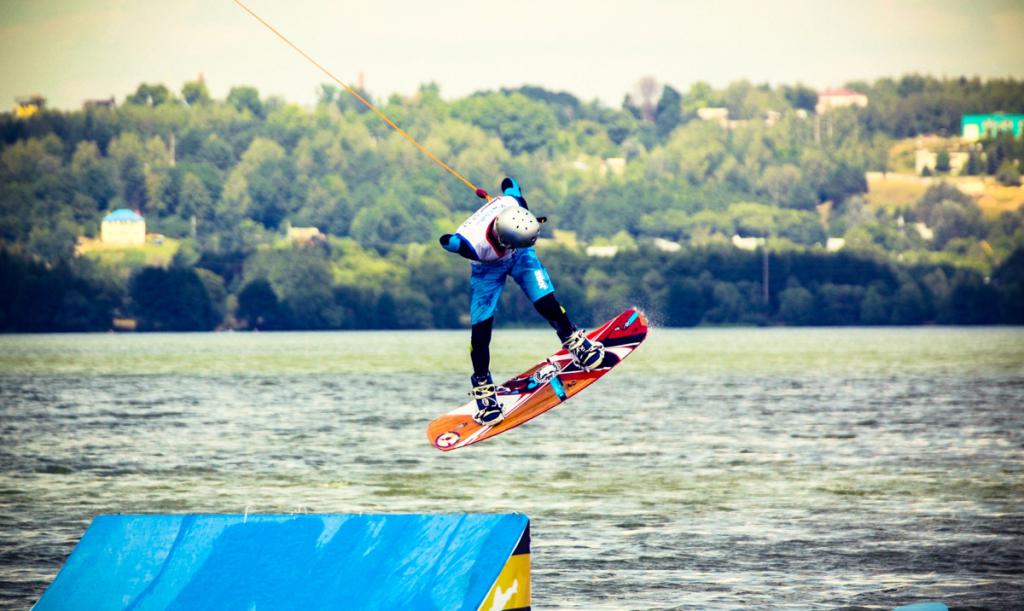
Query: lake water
x=717 y=468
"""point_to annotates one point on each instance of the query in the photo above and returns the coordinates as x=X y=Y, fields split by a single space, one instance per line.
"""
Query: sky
x=73 y=50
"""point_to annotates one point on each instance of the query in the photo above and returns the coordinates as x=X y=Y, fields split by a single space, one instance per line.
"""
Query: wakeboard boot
x=585 y=353
x=488 y=410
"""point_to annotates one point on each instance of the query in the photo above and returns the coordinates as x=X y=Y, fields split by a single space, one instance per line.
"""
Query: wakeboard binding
x=587 y=354
x=488 y=410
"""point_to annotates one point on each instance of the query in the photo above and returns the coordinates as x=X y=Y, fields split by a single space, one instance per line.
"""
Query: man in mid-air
x=498 y=240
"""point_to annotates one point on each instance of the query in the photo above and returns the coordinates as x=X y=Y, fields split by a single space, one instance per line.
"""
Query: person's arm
x=454 y=243
x=510 y=187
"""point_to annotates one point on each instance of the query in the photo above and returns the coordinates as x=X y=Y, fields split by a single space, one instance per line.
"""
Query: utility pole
x=765 y=274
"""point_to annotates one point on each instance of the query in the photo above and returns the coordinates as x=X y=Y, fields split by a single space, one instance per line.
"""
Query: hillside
x=660 y=181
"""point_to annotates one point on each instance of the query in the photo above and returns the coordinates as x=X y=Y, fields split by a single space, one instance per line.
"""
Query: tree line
x=294 y=289
x=227 y=177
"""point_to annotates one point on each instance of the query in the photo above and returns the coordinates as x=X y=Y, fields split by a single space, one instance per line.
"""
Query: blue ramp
x=271 y=562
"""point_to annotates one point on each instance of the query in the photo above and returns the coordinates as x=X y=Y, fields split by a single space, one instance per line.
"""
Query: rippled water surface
x=721 y=468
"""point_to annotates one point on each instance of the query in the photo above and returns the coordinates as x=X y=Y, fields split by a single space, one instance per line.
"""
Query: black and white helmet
x=516 y=227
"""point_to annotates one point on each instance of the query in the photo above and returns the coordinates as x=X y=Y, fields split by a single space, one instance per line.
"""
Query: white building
x=614 y=165
x=924 y=158
x=835 y=244
x=122 y=227
x=716 y=114
x=304 y=235
x=667 y=245
x=602 y=251
x=746 y=243
x=831 y=99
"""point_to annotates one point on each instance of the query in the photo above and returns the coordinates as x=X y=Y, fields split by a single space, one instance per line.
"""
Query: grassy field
x=894 y=190
x=998 y=198
x=902 y=187
x=902 y=190
x=154 y=253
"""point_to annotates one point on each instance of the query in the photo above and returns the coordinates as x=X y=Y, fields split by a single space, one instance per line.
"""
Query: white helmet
x=516 y=227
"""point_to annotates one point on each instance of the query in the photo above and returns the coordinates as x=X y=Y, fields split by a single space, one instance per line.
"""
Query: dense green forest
x=225 y=179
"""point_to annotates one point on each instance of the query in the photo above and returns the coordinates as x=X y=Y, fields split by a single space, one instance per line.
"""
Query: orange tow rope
x=479 y=192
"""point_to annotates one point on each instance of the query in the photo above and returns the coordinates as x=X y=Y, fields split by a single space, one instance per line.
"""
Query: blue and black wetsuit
x=491 y=264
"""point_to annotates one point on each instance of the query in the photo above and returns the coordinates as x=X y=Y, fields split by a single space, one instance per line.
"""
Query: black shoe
x=488 y=410
x=585 y=353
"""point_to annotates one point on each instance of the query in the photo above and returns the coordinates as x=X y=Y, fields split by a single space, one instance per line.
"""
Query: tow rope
x=479 y=192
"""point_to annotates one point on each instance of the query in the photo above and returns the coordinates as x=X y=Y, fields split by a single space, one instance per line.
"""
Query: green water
x=716 y=468
x=700 y=351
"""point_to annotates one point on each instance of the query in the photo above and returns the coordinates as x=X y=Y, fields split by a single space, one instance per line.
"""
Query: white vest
x=474 y=229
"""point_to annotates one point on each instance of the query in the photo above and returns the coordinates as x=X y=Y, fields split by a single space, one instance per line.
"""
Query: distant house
x=976 y=127
x=304 y=235
x=835 y=244
x=721 y=117
x=667 y=245
x=615 y=165
x=830 y=99
x=746 y=243
x=924 y=231
x=602 y=251
x=28 y=106
x=122 y=227
x=92 y=104
x=924 y=158
x=715 y=114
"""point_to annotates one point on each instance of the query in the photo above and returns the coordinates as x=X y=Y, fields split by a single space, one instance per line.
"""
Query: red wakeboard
x=541 y=387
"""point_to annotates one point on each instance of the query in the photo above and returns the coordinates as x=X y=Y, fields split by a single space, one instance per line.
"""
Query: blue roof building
x=122 y=215
x=123 y=227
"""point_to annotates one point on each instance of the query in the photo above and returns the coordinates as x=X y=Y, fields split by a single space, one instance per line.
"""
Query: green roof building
x=976 y=127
